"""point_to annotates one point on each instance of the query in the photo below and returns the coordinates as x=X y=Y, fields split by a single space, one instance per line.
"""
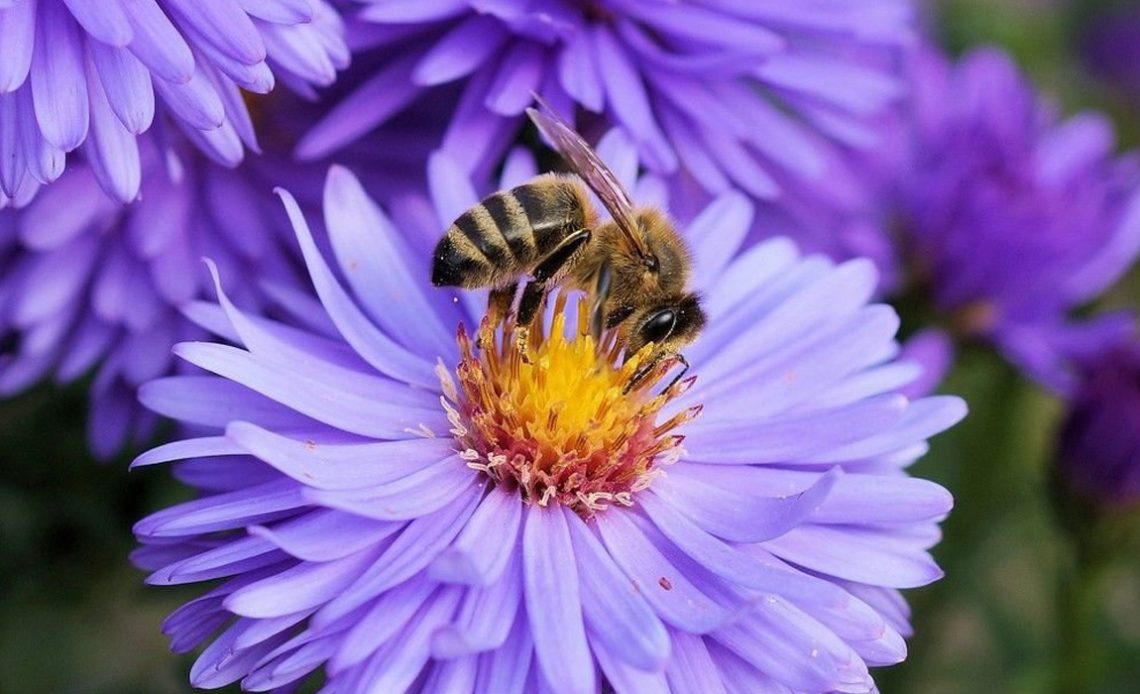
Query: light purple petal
x=305 y=586
x=552 y=598
x=741 y=515
x=460 y=52
x=306 y=537
x=485 y=618
x=335 y=466
x=106 y=21
x=673 y=596
x=18 y=36
x=127 y=84
x=158 y=44
x=112 y=150
x=621 y=621
x=372 y=344
x=481 y=552
x=59 y=88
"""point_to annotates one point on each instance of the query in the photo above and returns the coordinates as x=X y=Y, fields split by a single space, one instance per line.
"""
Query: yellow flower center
x=567 y=422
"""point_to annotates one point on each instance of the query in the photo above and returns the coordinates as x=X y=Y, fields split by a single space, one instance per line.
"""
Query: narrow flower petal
x=559 y=635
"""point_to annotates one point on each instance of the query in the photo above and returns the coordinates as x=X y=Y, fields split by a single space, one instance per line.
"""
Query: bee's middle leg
x=546 y=274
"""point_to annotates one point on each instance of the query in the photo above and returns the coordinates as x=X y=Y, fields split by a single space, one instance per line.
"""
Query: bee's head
x=669 y=325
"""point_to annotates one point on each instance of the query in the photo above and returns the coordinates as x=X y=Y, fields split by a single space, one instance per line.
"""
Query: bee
x=635 y=266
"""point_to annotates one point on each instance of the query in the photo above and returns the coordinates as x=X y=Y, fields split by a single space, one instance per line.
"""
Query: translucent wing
x=586 y=163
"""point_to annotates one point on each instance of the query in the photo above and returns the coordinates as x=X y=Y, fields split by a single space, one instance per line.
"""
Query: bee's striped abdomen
x=508 y=233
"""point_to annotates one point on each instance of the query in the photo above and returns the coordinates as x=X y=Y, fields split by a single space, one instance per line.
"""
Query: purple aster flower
x=1110 y=47
x=1099 y=456
x=395 y=505
x=1009 y=216
x=87 y=73
x=89 y=283
x=733 y=94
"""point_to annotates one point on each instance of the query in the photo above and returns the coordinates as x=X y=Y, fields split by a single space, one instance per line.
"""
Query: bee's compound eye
x=659 y=326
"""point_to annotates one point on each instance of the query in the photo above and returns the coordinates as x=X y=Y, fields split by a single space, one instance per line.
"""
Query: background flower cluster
x=948 y=187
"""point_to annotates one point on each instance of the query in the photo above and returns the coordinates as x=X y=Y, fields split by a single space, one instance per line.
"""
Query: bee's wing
x=589 y=166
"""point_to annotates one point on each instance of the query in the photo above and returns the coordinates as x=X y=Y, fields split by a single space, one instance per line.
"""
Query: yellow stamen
x=566 y=422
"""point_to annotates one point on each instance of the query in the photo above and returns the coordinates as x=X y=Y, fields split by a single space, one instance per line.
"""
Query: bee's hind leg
x=500 y=302
x=546 y=274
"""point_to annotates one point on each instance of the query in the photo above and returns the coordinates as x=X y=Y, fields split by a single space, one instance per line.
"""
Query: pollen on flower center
x=568 y=424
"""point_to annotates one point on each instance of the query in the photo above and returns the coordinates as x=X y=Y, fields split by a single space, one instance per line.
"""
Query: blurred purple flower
x=1111 y=49
x=89 y=282
x=351 y=537
x=1099 y=456
x=86 y=72
x=1010 y=217
x=735 y=94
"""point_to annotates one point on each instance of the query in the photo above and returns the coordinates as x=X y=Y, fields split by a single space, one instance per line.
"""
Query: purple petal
x=579 y=74
x=553 y=604
x=457 y=675
x=485 y=617
x=717 y=233
x=399 y=12
x=334 y=466
x=308 y=396
x=105 y=21
x=922 y=419
x=460 y=52
x=216 y=402
x=127 y=84
x=395 y=667
x=223 y=25
x=775 y=636
x=865 y=556
x=194 y=101
x=482 y=551
x=419 y=543
x=305 y=586
x=207 y=446
x=505 y=670
x=376 y=100
x=379 y=266
x=240 y=557
x=18 y=36
x=740 y=515
x=418 y=494
x=158 y=44
x=623 y=677
x=385 y=619
x=112 y=150
x=371 y=343
x=691 y=669
x=814 y=437
x=59 y=88
x=620 y=620
x=673 y=596
x=280 y=11
x=223 y=511
x=518 y=76
x=306 y=537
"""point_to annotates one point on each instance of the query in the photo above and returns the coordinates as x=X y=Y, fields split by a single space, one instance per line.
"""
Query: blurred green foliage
x=75 y=616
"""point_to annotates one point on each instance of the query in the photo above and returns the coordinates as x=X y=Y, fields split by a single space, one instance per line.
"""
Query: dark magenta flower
x=89 y=283
x=94 y=74
x=1008 y=216
x=395 y=507
x=1099 y=456
x=732 y=94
